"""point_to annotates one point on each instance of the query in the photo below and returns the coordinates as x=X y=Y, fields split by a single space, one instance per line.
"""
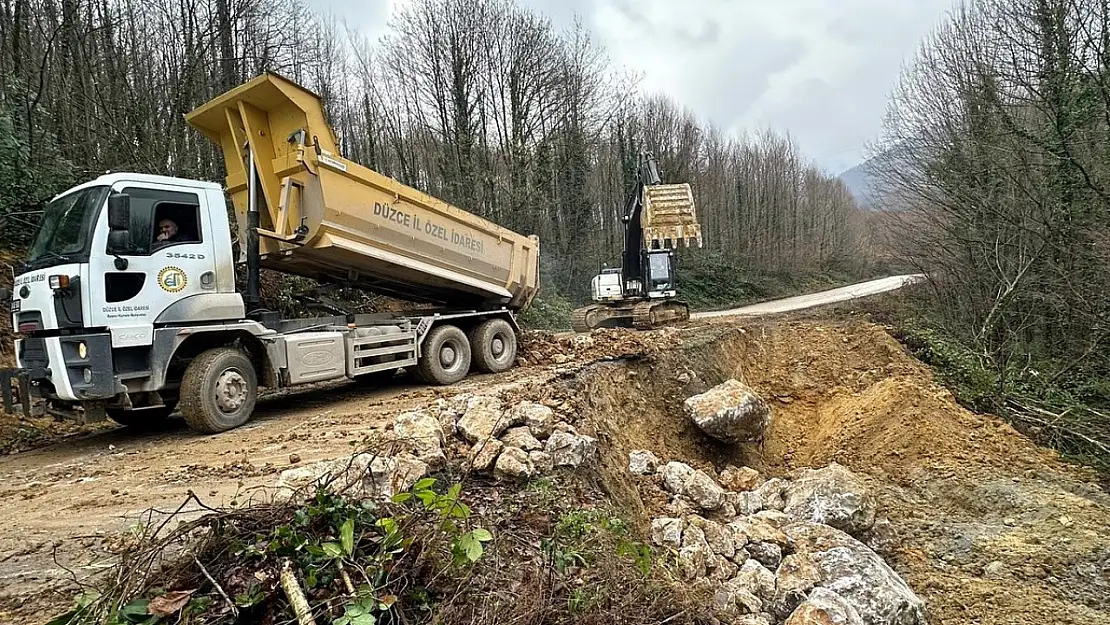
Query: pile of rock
x=779 y=550
x=513 y=443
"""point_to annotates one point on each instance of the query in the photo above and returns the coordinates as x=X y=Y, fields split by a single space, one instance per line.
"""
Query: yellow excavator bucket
x=669 y=216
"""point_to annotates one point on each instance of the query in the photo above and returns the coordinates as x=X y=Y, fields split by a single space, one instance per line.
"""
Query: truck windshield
x=64 y=230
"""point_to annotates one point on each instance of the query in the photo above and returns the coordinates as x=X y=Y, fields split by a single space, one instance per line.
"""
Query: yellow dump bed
x=331 y=219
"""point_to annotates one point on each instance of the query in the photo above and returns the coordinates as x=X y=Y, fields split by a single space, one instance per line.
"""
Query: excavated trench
x=989 y=527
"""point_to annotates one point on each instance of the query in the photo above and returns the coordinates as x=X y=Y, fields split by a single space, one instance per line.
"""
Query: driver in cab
x=168 y=233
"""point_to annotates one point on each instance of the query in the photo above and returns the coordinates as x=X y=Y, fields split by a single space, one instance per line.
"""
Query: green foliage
x=30 y=174
x=333 y=544
x=548 y=311
x=582 y=537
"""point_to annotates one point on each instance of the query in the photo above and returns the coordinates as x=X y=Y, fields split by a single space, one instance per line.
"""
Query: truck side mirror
x=119 y=227
x=119 y=212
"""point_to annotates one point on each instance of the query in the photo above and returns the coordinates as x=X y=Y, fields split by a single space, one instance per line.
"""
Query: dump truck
x=128 y=308
x=642 y=293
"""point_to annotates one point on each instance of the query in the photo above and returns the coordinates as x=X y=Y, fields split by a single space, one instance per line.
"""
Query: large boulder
x=856 y=573
x=484 y=419
x=831 y=496
x=421 y=433
x=570 y=450
x=730 y=412
x=825 y=607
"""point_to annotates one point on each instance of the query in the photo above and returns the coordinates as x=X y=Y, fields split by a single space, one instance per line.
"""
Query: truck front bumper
x=72 y=368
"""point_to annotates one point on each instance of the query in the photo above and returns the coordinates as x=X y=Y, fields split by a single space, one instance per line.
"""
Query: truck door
x=171 y=258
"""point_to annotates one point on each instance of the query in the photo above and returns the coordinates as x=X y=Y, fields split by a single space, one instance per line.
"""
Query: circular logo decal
x=172 y=279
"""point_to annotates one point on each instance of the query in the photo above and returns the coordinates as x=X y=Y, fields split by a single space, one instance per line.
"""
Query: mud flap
x=19 y=399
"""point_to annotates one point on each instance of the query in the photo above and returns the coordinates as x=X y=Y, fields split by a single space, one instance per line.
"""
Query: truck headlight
x=59 y=282
x=87 y=374
x=82 y=350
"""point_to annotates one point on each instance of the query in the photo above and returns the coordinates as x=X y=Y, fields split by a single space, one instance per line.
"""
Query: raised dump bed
x=324 y=217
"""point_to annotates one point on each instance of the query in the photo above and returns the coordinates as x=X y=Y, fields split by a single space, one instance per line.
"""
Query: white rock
x=768 y=554
x=746 y=503
x=757 y=579
x=703 y=491
x=421 y=433
x=674 y=476
x=772 y=494
x=539 y=419
x=692 y=561
x=774 y=518
x=831 y=496
x=483 y=419
x=513 y=464
x=667 y=532
x=360 y=476
x=570 y=449
x=642 y=462
x=730 y=412
x=542 y=461
x=827 y=608
x=858 y=574
x=484 y=454
x=521 y=438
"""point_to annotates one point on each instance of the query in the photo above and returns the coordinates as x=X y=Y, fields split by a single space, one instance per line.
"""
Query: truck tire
x=140 y=419
x=445 y=358
x=493 y=344
x=219 y=390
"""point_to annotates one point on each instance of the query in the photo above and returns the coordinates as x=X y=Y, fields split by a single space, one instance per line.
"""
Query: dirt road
x=802 y=302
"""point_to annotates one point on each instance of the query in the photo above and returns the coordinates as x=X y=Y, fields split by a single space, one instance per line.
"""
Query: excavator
x=641 y=293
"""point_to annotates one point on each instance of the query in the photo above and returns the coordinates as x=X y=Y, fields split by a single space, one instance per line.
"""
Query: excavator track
x=586 y=318
x=653 y=314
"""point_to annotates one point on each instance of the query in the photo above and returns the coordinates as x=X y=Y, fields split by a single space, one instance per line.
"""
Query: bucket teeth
x=670 y=217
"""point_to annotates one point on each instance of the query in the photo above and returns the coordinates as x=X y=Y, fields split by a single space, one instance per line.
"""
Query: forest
x=485 y=104
x=996 y=151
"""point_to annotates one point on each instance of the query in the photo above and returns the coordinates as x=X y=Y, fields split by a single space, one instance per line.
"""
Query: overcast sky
x=818 y=69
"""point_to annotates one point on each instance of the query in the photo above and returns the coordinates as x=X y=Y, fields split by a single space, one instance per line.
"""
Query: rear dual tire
x=448 y=353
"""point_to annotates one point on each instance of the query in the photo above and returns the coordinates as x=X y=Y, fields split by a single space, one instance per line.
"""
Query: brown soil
x=962 y=490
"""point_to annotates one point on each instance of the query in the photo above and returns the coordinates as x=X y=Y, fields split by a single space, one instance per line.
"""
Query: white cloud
x=818 y=69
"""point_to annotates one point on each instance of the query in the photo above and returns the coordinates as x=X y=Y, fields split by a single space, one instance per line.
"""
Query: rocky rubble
x=510 y=443
x=730 y=412
x=782 y=553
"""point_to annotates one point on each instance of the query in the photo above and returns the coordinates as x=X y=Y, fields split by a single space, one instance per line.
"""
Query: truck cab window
x=162 y=218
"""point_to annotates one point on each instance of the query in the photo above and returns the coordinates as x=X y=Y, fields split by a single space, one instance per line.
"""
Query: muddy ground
x=990 y=528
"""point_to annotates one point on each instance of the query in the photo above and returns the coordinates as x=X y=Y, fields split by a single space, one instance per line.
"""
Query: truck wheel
x=218 y=391
x=494 y=346
x=143 y=418
x=445 y=358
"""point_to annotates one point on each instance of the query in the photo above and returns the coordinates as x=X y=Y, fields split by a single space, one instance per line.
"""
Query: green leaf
x=482 y=535
x=347 y=536
x=424 y=484
x=332 y=550
x=387 y=524
x=402 y=497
